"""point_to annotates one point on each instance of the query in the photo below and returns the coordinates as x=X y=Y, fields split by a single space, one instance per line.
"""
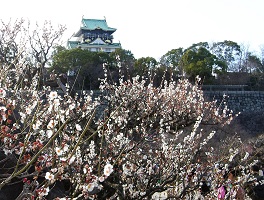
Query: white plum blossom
x=28 y=110
x=56 y=103
x=91 y=150
x=78 y=127
x=127 y=169
x=65 y=148
x=49 y=176
x=101 y=179
x=37 y=125
x=108 y=169
x=52 y=123
x=119 y=137
x=44 y=191
x=71 y=106
x=49 y=133
x=2 y=93
x=91 y=186
x=53 y=95
x=59 y=151
x=3 y=108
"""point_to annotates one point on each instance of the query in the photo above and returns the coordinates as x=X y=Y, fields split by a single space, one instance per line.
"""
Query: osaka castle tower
x=94 y=35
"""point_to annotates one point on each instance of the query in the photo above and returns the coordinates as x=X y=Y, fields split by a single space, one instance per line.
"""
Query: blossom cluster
x=130 y=143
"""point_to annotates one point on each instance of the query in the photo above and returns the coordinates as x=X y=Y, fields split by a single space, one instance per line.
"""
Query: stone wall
x=239 y=101
x=250 y=104
x=250 y=122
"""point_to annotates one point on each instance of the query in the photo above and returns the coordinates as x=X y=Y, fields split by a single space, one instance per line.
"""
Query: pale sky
x=153 y=27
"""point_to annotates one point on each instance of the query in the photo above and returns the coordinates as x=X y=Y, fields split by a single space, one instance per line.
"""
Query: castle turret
x=94 y=35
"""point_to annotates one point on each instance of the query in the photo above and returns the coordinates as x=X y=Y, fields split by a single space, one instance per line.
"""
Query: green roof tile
x=92 y=24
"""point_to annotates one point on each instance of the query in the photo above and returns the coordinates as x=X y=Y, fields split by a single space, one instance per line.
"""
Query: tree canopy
x=200 y=62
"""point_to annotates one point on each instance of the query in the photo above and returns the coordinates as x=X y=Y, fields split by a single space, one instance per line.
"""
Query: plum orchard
x=131 y=142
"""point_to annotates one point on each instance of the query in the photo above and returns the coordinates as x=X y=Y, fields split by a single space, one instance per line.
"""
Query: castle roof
x=76 y=44
x=93 y=24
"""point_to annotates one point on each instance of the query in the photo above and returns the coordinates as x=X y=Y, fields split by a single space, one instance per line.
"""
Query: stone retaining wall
x=239 y=101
